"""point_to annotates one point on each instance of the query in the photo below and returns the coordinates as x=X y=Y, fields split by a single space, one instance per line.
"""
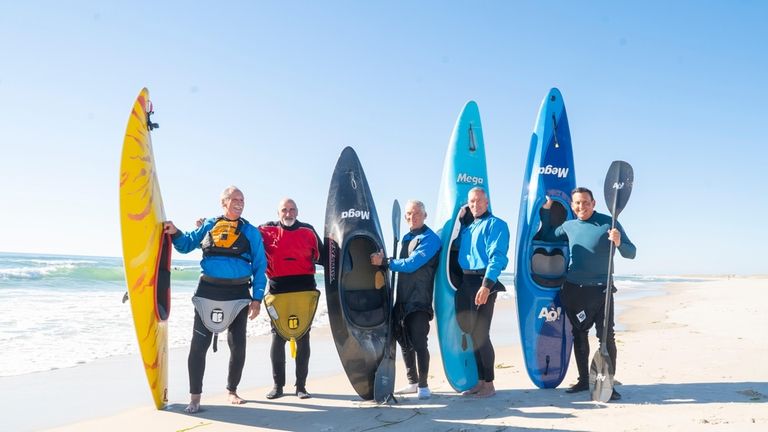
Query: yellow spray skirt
x=292 y=314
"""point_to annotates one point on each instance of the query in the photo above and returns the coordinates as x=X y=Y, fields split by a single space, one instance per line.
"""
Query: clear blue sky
x=265 y=95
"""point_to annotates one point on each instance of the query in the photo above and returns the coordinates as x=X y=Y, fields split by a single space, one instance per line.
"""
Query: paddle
x=617 y=188
x=396 y=234
x=384 y=380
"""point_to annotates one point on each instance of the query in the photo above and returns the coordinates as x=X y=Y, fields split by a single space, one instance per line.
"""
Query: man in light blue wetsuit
x=483 y=247
x=230 y=289
x=415 y=287
x=583 y=293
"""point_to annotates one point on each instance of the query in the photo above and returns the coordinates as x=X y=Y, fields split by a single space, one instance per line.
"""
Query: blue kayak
x=463 y=169
x=540 y=262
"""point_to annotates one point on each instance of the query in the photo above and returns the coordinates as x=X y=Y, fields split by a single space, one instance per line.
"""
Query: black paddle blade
x=396 y=221
x=384 y=380
x=600 y=378
x=618 y=186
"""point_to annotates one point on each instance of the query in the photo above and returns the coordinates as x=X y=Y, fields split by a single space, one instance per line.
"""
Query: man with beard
x=292 y=248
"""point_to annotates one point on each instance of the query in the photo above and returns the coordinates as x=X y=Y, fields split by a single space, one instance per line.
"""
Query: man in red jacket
x=292 y=249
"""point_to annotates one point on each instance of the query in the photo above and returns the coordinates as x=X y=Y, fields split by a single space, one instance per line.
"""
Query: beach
x=693 y=357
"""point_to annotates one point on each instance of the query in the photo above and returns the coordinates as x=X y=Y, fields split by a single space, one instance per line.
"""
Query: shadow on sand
x=451 y=412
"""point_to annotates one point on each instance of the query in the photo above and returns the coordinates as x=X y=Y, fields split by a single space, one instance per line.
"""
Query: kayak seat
x=366 y=307
x=548 y=265
x=365 y=303
x=163 y=281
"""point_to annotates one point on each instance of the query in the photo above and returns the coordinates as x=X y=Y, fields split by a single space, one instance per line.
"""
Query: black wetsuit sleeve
x=323 y=259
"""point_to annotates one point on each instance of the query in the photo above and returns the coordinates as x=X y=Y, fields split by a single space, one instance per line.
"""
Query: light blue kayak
x=463 y=169
x=540 y=263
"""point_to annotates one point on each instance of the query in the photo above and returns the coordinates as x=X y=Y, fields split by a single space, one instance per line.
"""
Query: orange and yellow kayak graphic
x=146 y=251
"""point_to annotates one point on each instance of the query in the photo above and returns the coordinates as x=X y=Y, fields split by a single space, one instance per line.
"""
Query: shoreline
x=669 y=381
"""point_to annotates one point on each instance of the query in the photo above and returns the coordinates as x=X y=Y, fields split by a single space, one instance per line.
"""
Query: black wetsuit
x=202 y=337
x=413 y=307
x=237 y=273
x=292 y=252
x=583 y=292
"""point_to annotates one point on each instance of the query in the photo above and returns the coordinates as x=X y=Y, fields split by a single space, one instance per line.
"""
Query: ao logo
x=550 y=314
x=618 y=185
x=352 y=213
x=217 y=315
x=465 y=178
x=600 y=377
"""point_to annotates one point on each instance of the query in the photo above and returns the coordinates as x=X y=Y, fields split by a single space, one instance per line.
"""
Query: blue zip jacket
x=229 y=267
x=417 y=265
x=484 y=245
x=428 y=243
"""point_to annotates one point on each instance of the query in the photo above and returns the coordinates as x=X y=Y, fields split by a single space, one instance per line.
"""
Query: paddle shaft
x=609 y=287
x=385 y=373
x=617 y=188
x=392 y=274
x=396 y=235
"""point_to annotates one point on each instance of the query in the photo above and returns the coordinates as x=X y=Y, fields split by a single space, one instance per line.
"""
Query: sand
x=692 y=358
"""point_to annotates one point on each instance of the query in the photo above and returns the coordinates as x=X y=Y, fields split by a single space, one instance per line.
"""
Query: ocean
x=61 y=311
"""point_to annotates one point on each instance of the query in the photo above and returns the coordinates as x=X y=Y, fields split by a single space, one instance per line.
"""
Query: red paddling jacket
x=292 y=252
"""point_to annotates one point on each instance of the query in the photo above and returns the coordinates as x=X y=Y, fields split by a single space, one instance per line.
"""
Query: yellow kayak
x=146 y=251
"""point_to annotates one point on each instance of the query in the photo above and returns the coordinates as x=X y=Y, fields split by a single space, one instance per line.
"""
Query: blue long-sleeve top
x=428 y=244
x=589 y=246
x=483 y=245
x=223 y=267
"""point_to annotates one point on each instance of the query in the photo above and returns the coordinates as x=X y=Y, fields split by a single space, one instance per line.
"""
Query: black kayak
x=359 y=295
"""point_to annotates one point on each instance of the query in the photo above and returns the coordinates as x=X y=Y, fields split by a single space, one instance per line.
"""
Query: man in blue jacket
x=583 y=293
x=415 y=287
x=483 y=247
x=229 y=292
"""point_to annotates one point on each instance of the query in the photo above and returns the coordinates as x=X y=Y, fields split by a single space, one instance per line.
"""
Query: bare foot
x=473 y=390
x=487 y=391
x=234 y=399
x=194 y=404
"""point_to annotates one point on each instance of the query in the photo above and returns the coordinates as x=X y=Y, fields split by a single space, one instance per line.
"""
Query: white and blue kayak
x=540 y=262
x=463 y=169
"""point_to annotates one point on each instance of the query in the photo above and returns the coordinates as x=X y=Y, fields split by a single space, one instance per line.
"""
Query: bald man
x=292 y=249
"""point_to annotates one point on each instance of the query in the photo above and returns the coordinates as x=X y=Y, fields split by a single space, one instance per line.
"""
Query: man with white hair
x=230 y=289
x=415 y=287
x=483 y=246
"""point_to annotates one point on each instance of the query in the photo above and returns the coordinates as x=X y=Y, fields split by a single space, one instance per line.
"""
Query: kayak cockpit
x=363 y=284
x=550 y=256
